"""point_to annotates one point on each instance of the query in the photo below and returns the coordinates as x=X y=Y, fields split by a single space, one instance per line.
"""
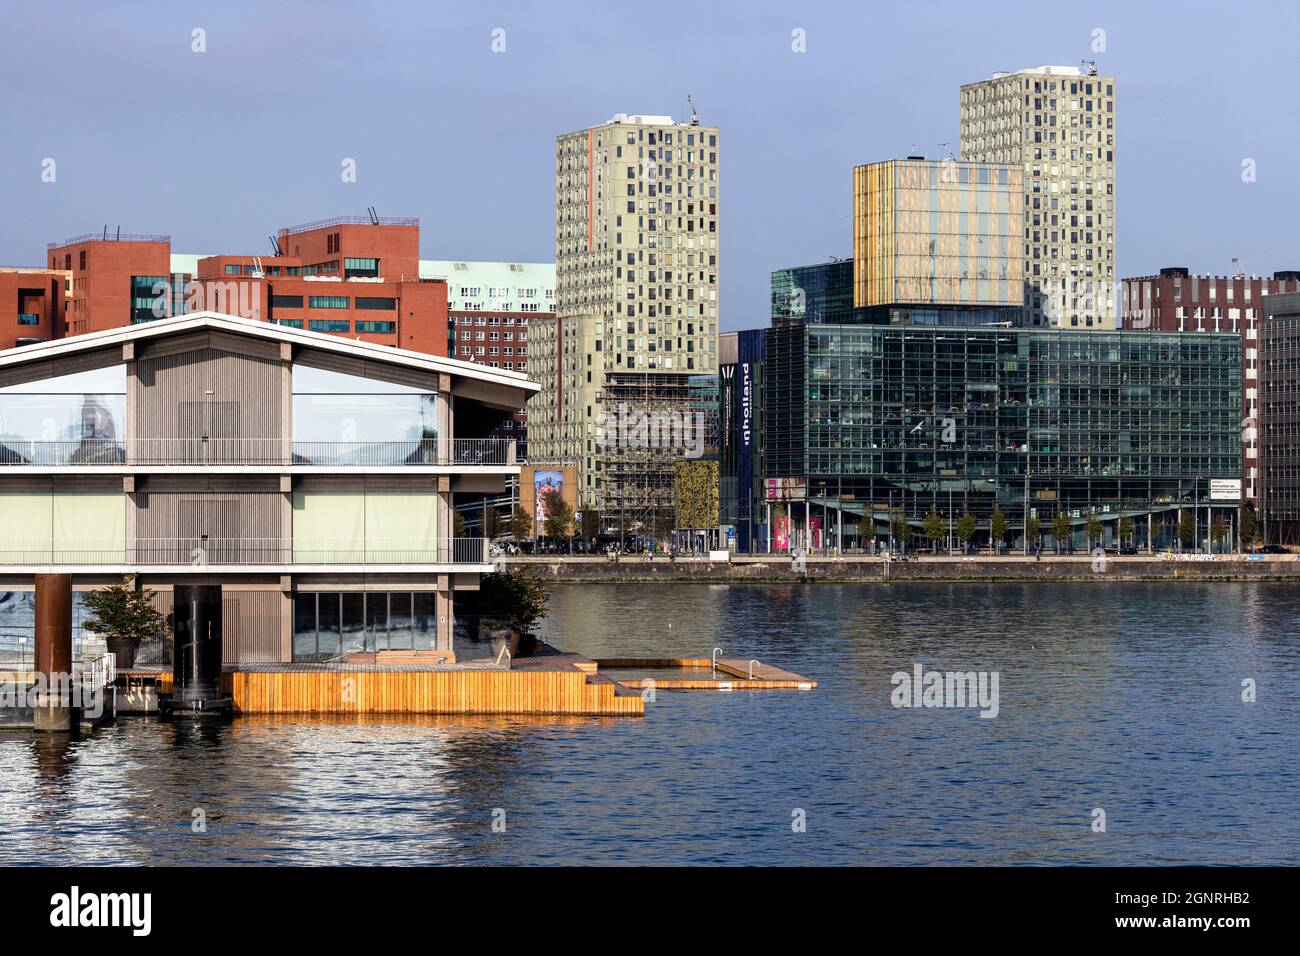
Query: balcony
x=258 y=451
x=205 y=552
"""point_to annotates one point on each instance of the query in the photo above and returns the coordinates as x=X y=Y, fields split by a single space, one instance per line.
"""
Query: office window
x=360 y=267
x=286 y=302
x=288 y=323
x=377 y=327
x=328 y=302
x=376 y=304
x=329 y=325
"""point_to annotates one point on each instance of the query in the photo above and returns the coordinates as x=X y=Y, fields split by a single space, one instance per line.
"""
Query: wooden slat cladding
x=228 y=527
x=203 y=341
x=250 y=623
x=428 y=692
x=209 y=404
x=380 y=371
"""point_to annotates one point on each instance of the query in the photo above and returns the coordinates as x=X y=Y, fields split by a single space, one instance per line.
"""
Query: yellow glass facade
x=937 y=232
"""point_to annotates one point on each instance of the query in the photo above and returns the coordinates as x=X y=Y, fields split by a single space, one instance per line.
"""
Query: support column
x=52 y=707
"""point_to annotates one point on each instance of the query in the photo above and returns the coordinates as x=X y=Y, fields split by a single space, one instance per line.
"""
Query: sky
x=221 y=148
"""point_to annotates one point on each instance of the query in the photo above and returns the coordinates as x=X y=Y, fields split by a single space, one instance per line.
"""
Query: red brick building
x=1177 y=301
x=355 y=277
x=31 y=306
x=112 y=277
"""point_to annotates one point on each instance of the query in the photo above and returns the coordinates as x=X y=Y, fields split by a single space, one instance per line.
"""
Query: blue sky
x=221 y=148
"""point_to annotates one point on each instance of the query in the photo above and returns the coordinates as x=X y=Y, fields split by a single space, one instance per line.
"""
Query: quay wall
x=856 y=569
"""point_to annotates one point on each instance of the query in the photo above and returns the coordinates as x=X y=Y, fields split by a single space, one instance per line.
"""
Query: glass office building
x=864 y=419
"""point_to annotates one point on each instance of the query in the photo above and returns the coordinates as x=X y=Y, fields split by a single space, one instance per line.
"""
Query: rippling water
x=1124 y=697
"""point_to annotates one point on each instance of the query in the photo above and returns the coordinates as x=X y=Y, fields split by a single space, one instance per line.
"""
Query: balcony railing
x=258 y=451
x=206 y=552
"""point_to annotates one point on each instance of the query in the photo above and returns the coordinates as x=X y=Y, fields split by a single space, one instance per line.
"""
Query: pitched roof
x=195 y=321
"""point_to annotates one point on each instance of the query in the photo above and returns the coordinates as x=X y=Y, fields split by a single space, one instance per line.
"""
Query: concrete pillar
x=52 y=710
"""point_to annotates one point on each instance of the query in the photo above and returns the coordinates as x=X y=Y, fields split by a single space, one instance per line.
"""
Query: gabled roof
x=197 y=321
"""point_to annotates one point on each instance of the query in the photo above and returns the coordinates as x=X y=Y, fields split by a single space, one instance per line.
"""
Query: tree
x=934 y=529
x=998 y=528
x=124 y=616
x=558 y=513
x=1094 y=529
x=1126 y=530
x=966 y=529
x=1218 y=531
x=1249 y=524
x=866 y=529
x=1187 y=528
x=590 y=523
x=458 y=525
x=1061 y=529
x=1033 y=529
x=900 y=529
x=494 y=524
x=521 y=524
x=516 y=595
x=663 y=525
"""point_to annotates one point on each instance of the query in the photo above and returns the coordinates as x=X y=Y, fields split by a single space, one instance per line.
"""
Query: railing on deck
x=258 y=451
x=204 y=552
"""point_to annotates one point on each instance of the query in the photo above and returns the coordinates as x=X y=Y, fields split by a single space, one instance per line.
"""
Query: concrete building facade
x=1279 y=419
x=1057 y=123
x=312 y=476
x=636 y=305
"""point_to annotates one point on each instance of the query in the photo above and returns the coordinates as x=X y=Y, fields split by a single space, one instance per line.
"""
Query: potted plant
x=508 y=604
x=124 y=616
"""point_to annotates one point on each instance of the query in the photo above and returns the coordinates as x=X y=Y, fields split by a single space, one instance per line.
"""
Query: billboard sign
x=1225 y=489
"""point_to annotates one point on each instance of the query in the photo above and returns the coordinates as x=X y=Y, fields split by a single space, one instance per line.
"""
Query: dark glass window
x=382 y=327
x=329 y=325
x=290 y=323
x=328 y=301
x=286 y=302
x=376 y=303
x=331 y=623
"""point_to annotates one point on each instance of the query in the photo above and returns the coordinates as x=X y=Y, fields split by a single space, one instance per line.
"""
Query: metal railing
x=258 y=451
x=206 y=552
x=107 y=237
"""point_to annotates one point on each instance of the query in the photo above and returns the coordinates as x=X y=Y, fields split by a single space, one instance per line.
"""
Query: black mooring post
x=196 y=651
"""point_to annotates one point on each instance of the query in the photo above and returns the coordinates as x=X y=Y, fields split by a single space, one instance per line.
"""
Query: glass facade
x=814 y=294
x=347 y=419
x=1036 y=422
x=65 y=420
x=146 y=303
x=329 y=624
x=938 y=232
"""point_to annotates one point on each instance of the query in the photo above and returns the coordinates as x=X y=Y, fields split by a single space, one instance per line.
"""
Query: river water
x=1121 y=698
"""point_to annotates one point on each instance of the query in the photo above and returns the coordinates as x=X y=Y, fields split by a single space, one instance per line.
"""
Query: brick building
x=31 y=306
x=357 y=277
x=490 y=308
x=1177 y=301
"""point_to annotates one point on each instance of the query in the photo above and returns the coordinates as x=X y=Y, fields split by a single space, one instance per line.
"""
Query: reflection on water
x=1120 y=696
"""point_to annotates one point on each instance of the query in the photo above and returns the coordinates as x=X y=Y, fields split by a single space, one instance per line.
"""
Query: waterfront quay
x=782 y=569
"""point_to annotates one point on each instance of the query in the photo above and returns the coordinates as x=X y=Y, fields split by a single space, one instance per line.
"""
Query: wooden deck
x=554 y=683
x=764 y=676
x=549 y=686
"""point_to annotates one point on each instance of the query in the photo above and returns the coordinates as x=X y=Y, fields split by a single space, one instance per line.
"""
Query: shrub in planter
x=124 y=616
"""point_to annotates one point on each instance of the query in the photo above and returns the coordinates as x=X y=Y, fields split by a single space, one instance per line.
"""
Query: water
x=1124 y=697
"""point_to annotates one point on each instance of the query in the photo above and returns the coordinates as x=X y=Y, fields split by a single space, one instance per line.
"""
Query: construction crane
x=1237 y=270
x=1091 y=66
x=695 y=114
